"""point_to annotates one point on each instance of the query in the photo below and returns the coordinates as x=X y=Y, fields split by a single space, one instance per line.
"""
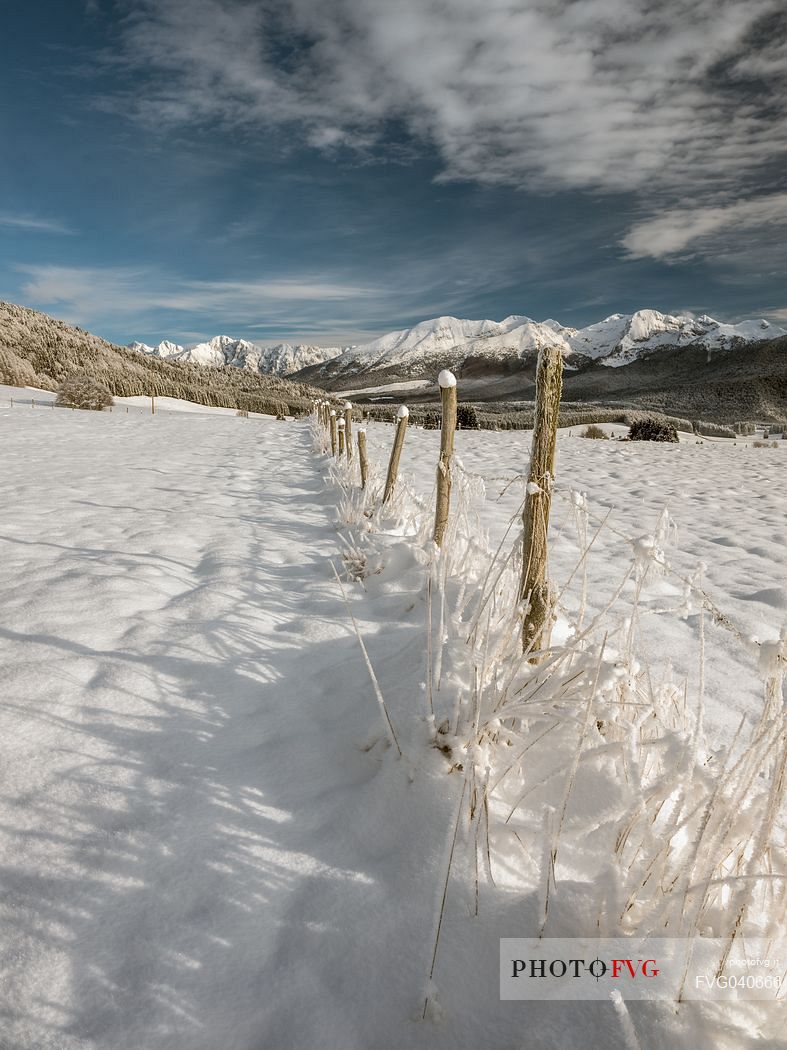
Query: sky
x=326 y=171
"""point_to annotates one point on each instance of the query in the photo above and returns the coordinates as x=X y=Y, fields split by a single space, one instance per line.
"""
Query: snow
x=446 y=379
x=205 y=840
x=402 y=412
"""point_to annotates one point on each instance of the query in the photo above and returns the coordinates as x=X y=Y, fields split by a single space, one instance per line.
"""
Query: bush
x=466 y=417
x=593 y=432
x=244 y=412
x=650 y=429
x=82 y=391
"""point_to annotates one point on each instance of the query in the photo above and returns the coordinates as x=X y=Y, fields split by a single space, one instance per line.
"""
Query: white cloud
x=121 y=288
x=34 y=224
x=146 y=299
x=675 y=231
x=594 y=94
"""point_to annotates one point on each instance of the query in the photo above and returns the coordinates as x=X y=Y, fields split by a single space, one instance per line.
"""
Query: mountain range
x=282 y=360
x=473 y=348
x=511 y=345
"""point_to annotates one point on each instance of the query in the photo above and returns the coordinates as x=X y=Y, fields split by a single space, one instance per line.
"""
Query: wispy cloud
x=33 y=224
x=146 y=298
x=603 y=94
x=120 y=287
x=683 y=106
x=337 y=303
x=682 y=229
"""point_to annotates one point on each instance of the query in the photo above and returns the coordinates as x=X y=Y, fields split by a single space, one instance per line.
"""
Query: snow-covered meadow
x=207 y=838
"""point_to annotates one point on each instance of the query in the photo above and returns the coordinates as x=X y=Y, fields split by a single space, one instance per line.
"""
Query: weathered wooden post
x=334 y=437
x=340 y=425
x=447 y=381
x=535 y=589
x=152 y=405
x=348 y=428
x=362 y=456
x=396 y=452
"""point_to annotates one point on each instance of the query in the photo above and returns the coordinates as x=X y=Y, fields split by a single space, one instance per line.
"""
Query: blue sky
x=328 y=171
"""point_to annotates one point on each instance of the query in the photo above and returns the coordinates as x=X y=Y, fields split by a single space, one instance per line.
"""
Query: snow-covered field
x=205 y=841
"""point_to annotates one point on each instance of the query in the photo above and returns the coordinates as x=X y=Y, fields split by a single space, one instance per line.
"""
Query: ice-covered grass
x=208 y=837
x=587 y=781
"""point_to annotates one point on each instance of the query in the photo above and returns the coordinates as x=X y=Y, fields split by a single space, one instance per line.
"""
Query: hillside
x=37 y=350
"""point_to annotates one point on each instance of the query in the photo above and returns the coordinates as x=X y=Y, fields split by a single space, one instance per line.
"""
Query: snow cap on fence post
x=362 y=456
x=402 y=416
x=447 y=382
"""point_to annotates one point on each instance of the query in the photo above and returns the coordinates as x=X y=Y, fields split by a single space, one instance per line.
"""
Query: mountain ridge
x=446 y=341
x=283 y=359
x=615 y=342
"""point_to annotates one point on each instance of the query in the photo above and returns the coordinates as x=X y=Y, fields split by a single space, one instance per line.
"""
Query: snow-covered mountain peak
x=221 y=350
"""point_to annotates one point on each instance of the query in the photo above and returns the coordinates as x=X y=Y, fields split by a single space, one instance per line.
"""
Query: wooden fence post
x=152 y=405
x=535 y=589
x=396 y=452
x=447 y=381
x=334 y=437
x=362 y=456
x=348 y=428
x=340 y=425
